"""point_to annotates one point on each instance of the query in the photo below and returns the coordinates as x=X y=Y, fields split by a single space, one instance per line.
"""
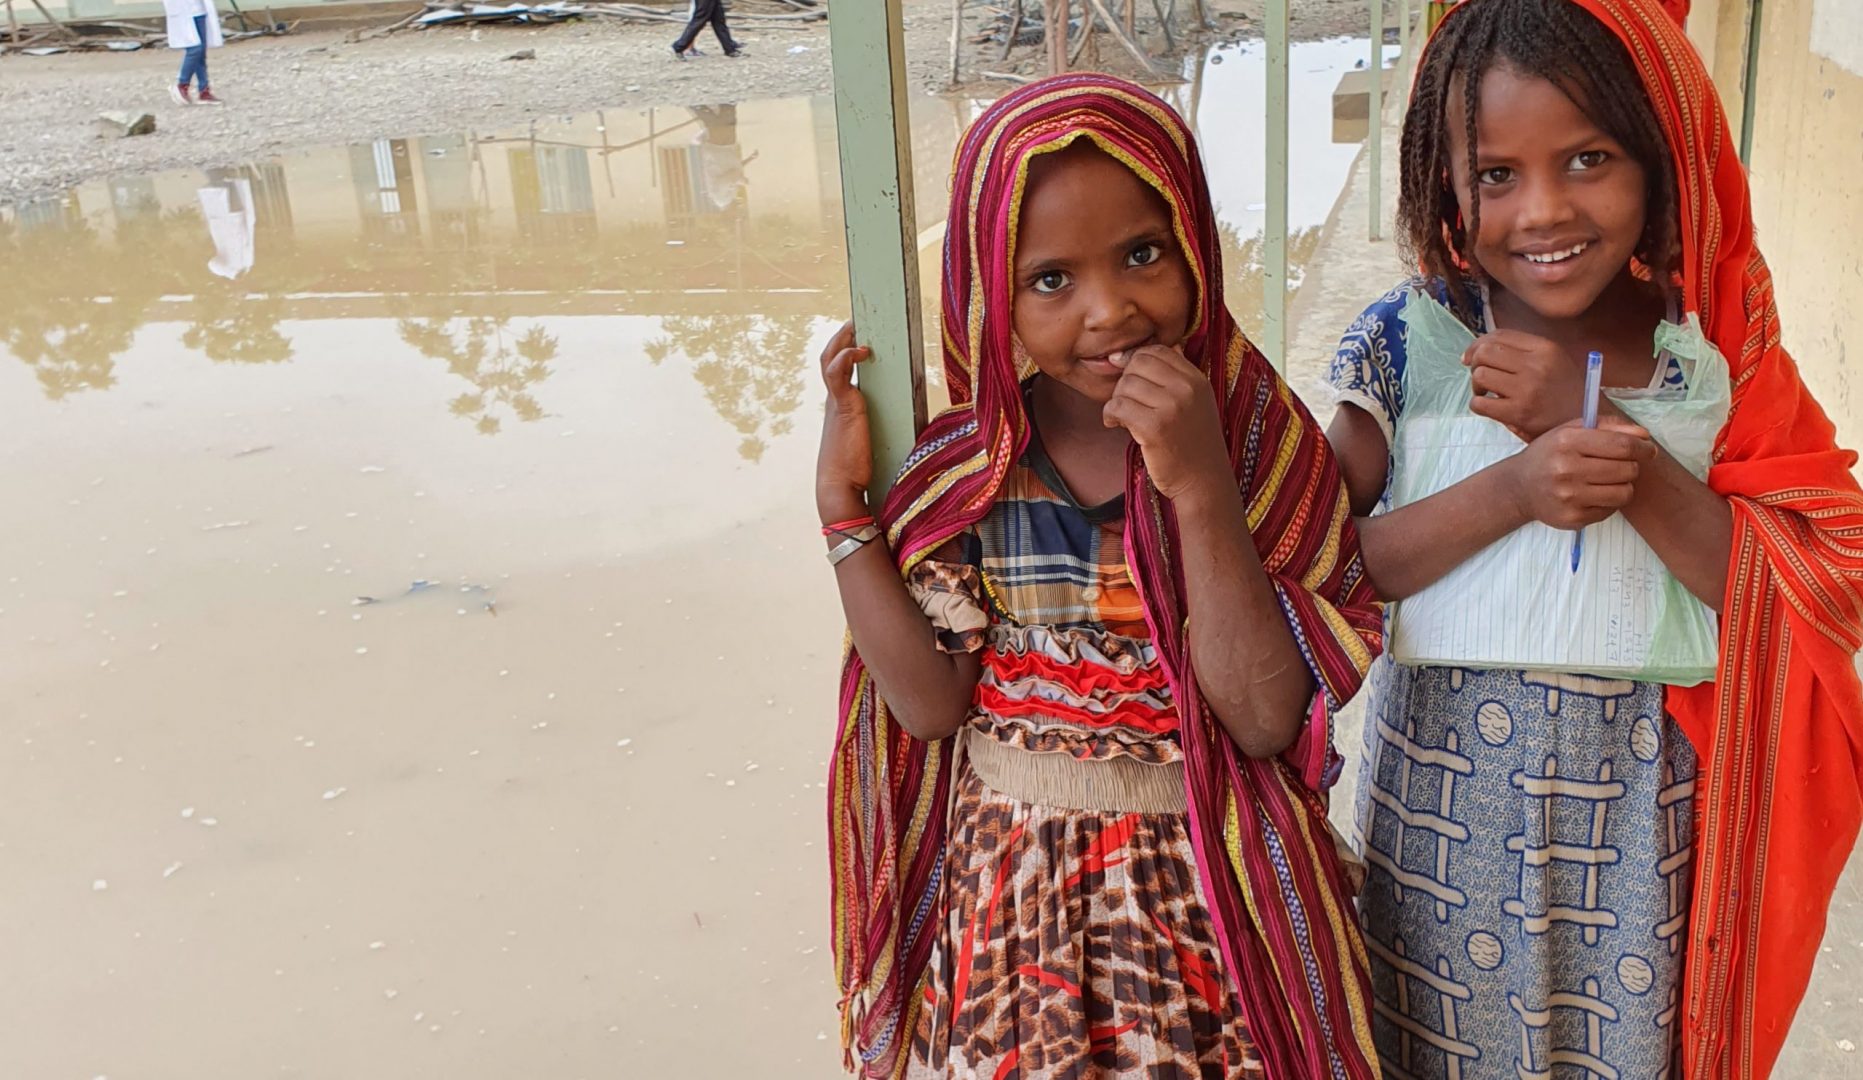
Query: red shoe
x=180 y=94
x=207 y=98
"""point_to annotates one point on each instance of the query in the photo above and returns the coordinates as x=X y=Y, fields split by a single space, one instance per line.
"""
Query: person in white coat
x=193 y=25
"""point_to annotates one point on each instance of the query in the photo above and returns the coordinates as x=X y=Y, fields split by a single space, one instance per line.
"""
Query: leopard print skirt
x=1075 y=945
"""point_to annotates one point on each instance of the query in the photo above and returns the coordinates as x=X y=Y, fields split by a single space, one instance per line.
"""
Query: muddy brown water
x=417 y=658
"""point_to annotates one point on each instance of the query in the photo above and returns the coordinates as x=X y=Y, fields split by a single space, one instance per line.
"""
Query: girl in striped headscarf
x=1098 y=633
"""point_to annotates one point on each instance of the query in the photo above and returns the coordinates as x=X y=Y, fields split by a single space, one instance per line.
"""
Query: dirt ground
x=314 y=88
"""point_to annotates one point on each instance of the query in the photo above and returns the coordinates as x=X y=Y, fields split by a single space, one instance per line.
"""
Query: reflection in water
x=409 y=839
x=501 y=365
x=752 y=367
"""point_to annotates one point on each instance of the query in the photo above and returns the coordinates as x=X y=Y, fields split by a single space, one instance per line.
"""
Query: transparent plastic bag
x=1518 y=603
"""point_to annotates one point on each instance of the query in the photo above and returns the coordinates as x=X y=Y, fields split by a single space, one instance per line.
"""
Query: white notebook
x=1519 y=604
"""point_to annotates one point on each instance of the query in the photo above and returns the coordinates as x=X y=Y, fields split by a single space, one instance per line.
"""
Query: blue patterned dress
x=1528 y=837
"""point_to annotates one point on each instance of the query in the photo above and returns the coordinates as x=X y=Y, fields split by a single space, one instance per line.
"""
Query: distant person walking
x=193 y=25
x=703 y=11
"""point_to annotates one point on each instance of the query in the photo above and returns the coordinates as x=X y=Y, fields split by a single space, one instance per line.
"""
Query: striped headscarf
x=1270 y=875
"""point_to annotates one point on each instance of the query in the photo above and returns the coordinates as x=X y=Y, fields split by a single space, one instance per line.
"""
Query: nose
x=1544 y=204
x=1107 y=306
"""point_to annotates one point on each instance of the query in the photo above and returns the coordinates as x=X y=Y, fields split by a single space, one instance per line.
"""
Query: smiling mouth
x=1553 y=258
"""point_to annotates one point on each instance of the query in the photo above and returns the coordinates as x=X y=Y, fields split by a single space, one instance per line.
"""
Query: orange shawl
x=1780 y=731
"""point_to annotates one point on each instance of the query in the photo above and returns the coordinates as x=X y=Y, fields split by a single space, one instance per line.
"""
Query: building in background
x=1791 y=75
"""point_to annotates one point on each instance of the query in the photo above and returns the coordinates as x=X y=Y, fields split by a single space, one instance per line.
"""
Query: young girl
x=1075 y=794
x=1570 y=186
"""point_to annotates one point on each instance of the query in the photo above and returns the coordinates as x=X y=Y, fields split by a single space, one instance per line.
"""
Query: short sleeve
x=949 y=590
x=1368 y=368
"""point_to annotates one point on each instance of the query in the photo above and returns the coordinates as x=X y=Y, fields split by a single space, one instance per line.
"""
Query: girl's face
x=1562 y=205
x=1098 y=269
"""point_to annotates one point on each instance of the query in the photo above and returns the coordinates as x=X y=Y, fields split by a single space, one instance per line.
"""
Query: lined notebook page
x=1518 y=604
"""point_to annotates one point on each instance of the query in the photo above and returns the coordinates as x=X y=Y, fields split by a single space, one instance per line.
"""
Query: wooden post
x=867 y=49
x=1274 y=227
x=50 y=18
x=1112 y=27
x=12 y=21
x=957 y=35
x=1015 y=28
x=1054 y=31
x=1131 y=18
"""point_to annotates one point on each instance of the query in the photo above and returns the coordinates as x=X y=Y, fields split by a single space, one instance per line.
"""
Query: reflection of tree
x=57 y=320
x=501 y=368
x=232 y=327
x=752 y=367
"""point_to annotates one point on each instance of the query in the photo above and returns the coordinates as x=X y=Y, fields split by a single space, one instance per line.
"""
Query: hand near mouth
x=1169 y=408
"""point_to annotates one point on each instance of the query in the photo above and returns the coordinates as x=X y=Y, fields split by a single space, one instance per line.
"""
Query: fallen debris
x=122 y=125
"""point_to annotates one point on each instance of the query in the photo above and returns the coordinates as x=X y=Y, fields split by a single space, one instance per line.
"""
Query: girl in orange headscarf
x=1618 y=875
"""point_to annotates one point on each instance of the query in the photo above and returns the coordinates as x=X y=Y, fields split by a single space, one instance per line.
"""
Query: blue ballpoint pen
x=1594 y=382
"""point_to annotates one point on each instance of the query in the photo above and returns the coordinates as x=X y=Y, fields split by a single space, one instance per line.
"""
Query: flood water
x=417 y=658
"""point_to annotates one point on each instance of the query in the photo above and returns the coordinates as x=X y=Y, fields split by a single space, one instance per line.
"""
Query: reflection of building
x=576 y=215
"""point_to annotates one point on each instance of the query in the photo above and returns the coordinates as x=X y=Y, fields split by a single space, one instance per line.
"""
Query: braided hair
x=1555 y=40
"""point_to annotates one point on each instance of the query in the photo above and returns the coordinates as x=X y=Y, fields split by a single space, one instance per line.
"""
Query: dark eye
x=1500 y=174
x=1145 y=255
x=1590 y=159
x=1049 y=281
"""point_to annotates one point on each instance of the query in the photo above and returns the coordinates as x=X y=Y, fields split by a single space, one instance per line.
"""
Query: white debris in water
x=1846 y=1046
x=226 y=525
x=624 y=742
x=99 y=885
x=210 y=822
x=391 y=994
x=170 y=872
x=370 y=469
x=362 y=650
x=752 y=767
x=377 y=946
x=187 y=812
x=334 y=793
x=120 y=593
x=730 y=783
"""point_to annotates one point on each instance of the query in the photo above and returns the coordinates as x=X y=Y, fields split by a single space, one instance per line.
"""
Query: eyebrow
x=1485 y=157
x=1158 y=234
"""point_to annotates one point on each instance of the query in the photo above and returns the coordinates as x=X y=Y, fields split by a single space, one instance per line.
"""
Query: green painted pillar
x=867 y=47
x=1376 y=131
x=1274 y=229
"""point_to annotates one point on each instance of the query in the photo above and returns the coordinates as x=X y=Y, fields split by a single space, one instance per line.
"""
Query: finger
x=839 y=374
x=1142 y=389
x=1604 y=496
x=1148 y=365
x=1607 y=471
x=1495 y=351
x=1610 y=422
x=1487 y=379
x=1499 y=409
x=842 y=339
x=1165 y=358
x=1619 y=445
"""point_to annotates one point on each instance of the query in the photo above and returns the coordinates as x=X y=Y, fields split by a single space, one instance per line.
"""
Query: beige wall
x=1806 y=171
